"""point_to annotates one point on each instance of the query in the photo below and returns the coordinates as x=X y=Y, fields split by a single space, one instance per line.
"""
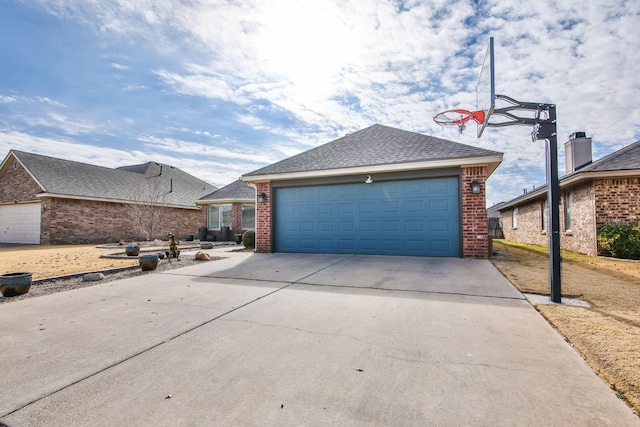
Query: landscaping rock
x=201 y=256
x=93 y=277
x=206 y=245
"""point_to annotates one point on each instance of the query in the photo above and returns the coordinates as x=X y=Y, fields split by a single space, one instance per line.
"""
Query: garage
x=416 y=217
x=20 y=223
x=379 y=190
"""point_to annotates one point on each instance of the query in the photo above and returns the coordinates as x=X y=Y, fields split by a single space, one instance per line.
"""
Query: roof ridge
x=63 y=160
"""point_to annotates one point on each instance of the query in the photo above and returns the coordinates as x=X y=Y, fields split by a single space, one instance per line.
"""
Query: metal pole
x=553 y=191
x=544 y=128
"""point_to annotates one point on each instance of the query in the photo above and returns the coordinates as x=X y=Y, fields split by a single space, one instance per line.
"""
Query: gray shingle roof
x=375 y=145
x=75 y=179
x=624 y=159
x=237 y=190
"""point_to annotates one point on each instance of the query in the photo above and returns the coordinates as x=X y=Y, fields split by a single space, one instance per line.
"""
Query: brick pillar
x=475 y=224
x=263 y=219
x=236 y=218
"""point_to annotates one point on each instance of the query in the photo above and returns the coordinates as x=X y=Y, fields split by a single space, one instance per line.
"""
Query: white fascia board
x=599 y=175
x=491 y=161
x=98 y=199
x=224 y=201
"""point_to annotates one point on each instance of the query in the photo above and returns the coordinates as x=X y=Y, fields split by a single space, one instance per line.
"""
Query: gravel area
x=66 y=283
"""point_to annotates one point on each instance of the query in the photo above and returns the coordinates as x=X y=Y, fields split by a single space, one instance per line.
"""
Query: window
x=568 y=201
x=544 y=209
x=219 y=216
x=514 y=218
x=248 y=217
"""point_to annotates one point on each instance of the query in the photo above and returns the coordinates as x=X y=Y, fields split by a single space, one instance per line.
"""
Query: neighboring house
x=495 y=224
x=380 y=190
x=232 y=206
x=592 y=194
x=45 y=200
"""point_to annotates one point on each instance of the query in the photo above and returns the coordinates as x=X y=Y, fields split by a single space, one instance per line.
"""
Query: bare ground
x=56 y=268
x=607 y=334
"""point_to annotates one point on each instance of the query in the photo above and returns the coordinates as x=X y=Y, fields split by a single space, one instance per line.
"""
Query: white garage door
x=20 y=223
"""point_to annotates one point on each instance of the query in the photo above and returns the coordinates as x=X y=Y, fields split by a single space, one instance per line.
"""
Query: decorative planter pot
x=148 y=262
x=12 y=284
x=132 y=250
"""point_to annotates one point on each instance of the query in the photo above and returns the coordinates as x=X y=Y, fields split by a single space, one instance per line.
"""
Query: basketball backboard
x=486 y=88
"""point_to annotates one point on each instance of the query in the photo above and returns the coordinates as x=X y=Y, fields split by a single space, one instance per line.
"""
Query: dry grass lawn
x=607 y=334
x=49 y=261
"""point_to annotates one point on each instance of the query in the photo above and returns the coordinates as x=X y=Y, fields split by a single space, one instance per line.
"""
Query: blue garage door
x=413 y=217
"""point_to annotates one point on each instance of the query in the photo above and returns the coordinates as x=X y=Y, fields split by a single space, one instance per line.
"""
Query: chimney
x=577 y=151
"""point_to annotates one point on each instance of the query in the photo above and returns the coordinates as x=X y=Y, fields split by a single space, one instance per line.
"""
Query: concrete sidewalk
x=287 y=339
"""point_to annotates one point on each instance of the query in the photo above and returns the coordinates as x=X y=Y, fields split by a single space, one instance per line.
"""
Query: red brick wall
x=67 y=221
x=17 y=185
x=263 y=219
x=617 y=201
x=475 y=224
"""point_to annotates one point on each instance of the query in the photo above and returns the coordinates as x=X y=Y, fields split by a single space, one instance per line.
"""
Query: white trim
x=600 y=175
x=224 y=201
x=491 y=162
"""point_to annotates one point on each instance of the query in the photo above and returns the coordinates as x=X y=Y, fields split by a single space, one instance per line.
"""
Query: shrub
x=620 y=240
x=249 y=239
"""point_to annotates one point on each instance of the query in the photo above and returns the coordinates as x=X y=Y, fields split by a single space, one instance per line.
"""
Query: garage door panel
x=416 y=217
x=20 y=223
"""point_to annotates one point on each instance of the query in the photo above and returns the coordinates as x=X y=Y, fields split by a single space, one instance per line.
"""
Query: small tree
x=147 y=207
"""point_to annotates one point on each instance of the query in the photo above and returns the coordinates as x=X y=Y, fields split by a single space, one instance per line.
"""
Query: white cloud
x=215 y=152
x=7 y=99
x=119 y=67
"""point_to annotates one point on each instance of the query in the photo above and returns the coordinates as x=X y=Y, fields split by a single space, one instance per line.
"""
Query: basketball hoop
x=458 y=118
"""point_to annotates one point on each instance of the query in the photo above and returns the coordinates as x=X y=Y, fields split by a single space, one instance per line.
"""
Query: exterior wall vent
x=577 y=151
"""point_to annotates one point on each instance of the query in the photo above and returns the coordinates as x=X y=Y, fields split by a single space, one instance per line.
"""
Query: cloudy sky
x=220 y=88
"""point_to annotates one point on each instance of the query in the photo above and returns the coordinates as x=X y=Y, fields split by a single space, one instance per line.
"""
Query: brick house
x=46 y=200
x=232 y=206
x=380 y=190
x=592 y=194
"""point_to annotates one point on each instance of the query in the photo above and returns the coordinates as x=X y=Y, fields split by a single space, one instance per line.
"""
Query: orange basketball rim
x=458 y=117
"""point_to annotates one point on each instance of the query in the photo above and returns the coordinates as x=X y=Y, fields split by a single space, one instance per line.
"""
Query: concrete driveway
x=288 y=339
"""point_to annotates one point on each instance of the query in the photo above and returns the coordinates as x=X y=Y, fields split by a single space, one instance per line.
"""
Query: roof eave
x=491 y=162
x=569 y=182
x=99 y=199
x=224 y=201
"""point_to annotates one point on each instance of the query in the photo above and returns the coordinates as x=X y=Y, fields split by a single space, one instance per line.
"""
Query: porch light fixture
x=368 y=179
x=475 y=187
x=262 y=198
